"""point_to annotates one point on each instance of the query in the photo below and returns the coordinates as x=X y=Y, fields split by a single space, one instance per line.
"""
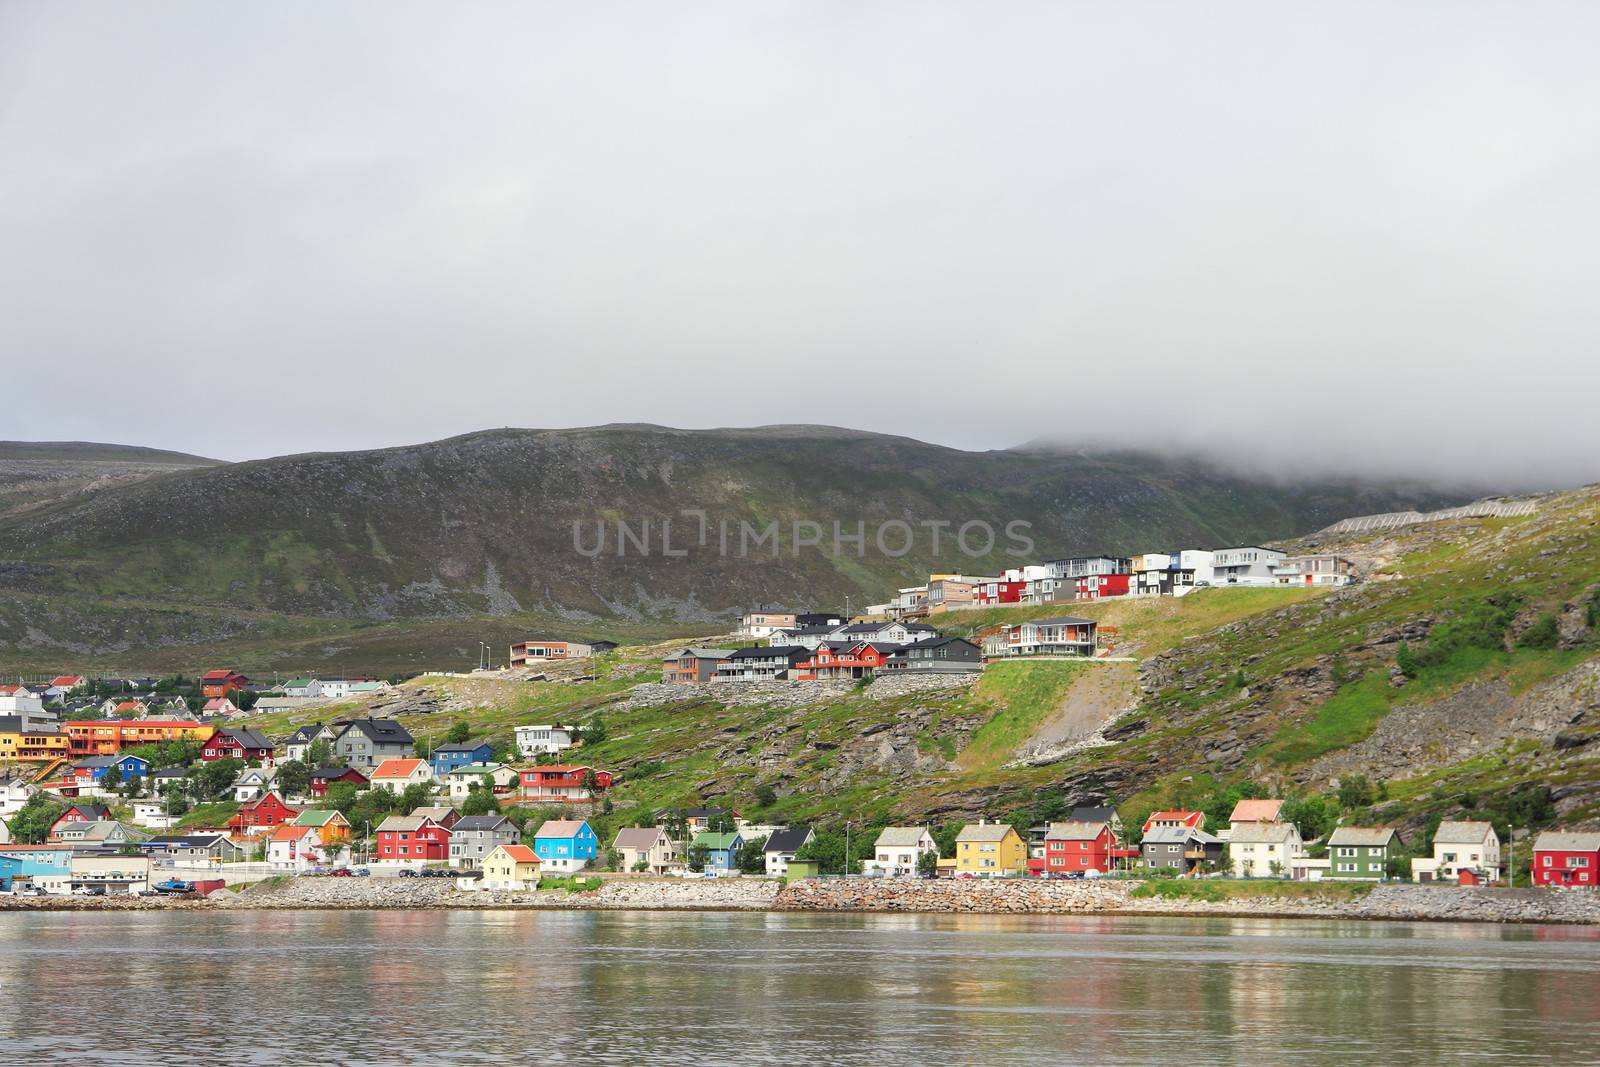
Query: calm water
x=493 y=987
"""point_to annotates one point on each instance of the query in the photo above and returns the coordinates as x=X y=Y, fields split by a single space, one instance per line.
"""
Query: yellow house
x=333 y=829
x=511 y=867
x=32 y=744
x=990 y=850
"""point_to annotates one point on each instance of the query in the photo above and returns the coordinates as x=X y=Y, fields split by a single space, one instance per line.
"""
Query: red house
x=220 y=683
x=562 y=784
x=263 y=813
x=843 y=661
x=323 y=777
x=1076 y=847
x=412 y=839
x=1194 y=819
x=80 y=813
x=1003 y=591
x=1102 y=586
x=238 y=743
x=1567 y=859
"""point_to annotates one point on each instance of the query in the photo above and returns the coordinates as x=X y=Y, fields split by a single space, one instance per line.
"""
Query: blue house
x=121 y=767
x=722 y=851
x=447 y=758
x=35 y=861
x=564 y=845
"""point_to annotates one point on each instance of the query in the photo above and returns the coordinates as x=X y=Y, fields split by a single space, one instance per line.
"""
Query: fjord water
x=403 y=987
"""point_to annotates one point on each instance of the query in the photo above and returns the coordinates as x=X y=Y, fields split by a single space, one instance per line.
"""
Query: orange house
x=332 y=827
x=99 y=737
x=220 y=683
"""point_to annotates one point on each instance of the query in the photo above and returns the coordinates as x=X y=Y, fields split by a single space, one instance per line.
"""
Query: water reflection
x=593 y=987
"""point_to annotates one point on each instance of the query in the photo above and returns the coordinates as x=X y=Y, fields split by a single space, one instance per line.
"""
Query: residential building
x=955 y=592
x=1323 y=569
x=760 y=664
x=20 y=741
x=764 y=624
x=721 y=851
x=221 y=683
x=1077 y=848
x=564 y=845
x=298 y=746
x=1561 y=858
x=396 y=774
x=542 y=740
x=1255 y=811
x=296 y=848
x=511 y=867
x=447 y=758
x=79 y=812
x=102 y=835
x=990 y=850
x=781 y=847
x=1185 y=849
x=1246 y=565
x=443 y=814
x=697 y=819
x=501 y=780
x=1195 y=819
x=692 y=665
x=1064 y=635
x=473 y=837
x=1460 y=846
x=843 y=661
x=1362 y=852
x=14 y=793
x=1173 y=574
x=332 y=828
x=365 y=743
x=1263 y=849
x=412 y=841
x=120 y=768
x=107 y=737
x=346 y=688
x=262 y=814
x=252 y=782
x=564 y=784
x=650 y=846
x=303 y=688
x=528 y=653
x=323 y=777
x=938 y=655
x=193 y=850
x=219 y=706
x=111 y=875
x=898 y=851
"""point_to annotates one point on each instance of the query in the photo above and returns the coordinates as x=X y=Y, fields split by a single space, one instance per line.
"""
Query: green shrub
x=1544 y=633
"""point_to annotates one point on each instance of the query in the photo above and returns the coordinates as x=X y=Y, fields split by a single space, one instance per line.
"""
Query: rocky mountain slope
x=483 y=527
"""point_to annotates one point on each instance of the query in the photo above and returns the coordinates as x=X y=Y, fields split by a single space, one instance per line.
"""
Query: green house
x=805 y=869
x=1362 y=852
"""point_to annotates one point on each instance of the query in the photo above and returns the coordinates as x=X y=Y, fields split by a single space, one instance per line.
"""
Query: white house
x=152 y=813
x=115 y=875
x=541 y=740
x=295 y=848
x=898 y=851
x=302 y=688
x=395 y=774
x=253 y=782
x=781 y=847
x=1264 y=849
x=13 y=794
x=1459 y=846
x=649 y=845
x=1246 y=565
x=460 y=781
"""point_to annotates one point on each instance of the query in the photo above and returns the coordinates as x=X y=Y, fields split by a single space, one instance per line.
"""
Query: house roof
x=219 y=675
x=475 y=770
x=985 y=831
x=291 y=832
x=1256 y=811
x=776 y=652
x=717 y=842
x=702 y=653
x=1073 y=830
x=788 y=839
x=1461 y=833
x=900 y=837
x=1175 y=835
x=560 y=828
x=94 y=811
x=1263 y=833
x=398 y=768
x=305 y=734
x=328 y=774
x=463 y=747
x=437 y=812
x=1370 y=836
x=1063 y=620
x=245 y=736
x=404 y=823
x=380 y=731
x=297 y=683
x=471 y=823
x=1172 y=816
x=520 y=853
x=316 y=817
x=641 y=838
x=1563 y=841
x=1093 y=814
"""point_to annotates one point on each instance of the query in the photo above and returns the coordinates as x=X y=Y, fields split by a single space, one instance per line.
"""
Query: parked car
x=407 y=872
x=341 y=872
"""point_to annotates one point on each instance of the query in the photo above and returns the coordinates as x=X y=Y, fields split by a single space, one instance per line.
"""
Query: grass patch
x=1026 y=693
x=569 y=883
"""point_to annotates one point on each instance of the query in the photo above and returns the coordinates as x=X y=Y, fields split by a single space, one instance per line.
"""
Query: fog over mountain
x=1357 y=239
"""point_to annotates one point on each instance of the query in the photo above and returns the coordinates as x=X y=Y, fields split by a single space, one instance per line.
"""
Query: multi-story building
x=1246 y=565
x=1325 y=569
x=107 y=737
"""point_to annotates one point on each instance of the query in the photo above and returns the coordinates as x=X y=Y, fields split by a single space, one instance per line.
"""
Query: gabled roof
x=1362 y=836
x=1075 y=831
x=520 y=853
x=1564 y=841
x=245 y=736
x=481 y=823
x=1256 y=811
x=305 y=734
x=316 y=817
x=900 y=837
x=1176 y=835
x=1092 y=814
x=93 y=811
x=789 y=839
x=402 y=823
x=1263 y=833
x=642 y=838
x=380 y=731
x=557 y=828
x=987 y=832
x=398 y=768
x=291 y=832
x=328 y=774
x=717 y=842
x=1462 y=833
x=437 y=812
x=465 y=746
x=701 y=653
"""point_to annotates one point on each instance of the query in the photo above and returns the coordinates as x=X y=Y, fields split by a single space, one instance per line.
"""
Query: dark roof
x=1092 y=814
x=788 y=840
x=246 y=736
x=304 y=734
x=1069 y=620
x=481 y=822
x=781 y=651
x=170 y=772
x=330 y=773
x=99 y=811
x=381 y=731
x=463 y=747
x=12 y=724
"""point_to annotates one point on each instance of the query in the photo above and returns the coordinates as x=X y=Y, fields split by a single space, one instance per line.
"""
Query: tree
x=458 y=734
x=342 y=797
x=31 y=824
x=480 y=801
x=594 y=731
x=766 y=796
x=1354 y=792
x=210 y=781
x=928 y=864
x=696 y=857
x=1310 y=815
x=133 y=786
x=320 y=754
x=293 y=779
x=246 y=700
x=1544 y=633
x=613 y=860
x=721 y=823
x=416 y=795
x=752 y=856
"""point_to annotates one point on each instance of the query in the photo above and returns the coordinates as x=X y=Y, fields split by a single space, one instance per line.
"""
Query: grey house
x=757 y=664
x=475 y=836
x=938 y=655
x=1246 y=565
x=1183 y=848
x=365 y=743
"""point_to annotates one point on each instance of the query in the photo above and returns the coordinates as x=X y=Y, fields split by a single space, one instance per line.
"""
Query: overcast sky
x=1325 y=234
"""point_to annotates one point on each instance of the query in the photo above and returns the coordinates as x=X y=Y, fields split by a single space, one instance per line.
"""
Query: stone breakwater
x=739 y=894
x=1011 y=896
x=790 y=694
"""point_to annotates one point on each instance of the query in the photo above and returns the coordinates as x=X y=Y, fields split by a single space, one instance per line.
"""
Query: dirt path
x=1098 y=696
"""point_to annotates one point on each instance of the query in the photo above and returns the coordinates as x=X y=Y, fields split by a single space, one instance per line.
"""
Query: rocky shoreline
x=1012 y=897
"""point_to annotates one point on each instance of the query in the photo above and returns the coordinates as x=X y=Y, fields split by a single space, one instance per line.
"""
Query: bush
x=1544 y=633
